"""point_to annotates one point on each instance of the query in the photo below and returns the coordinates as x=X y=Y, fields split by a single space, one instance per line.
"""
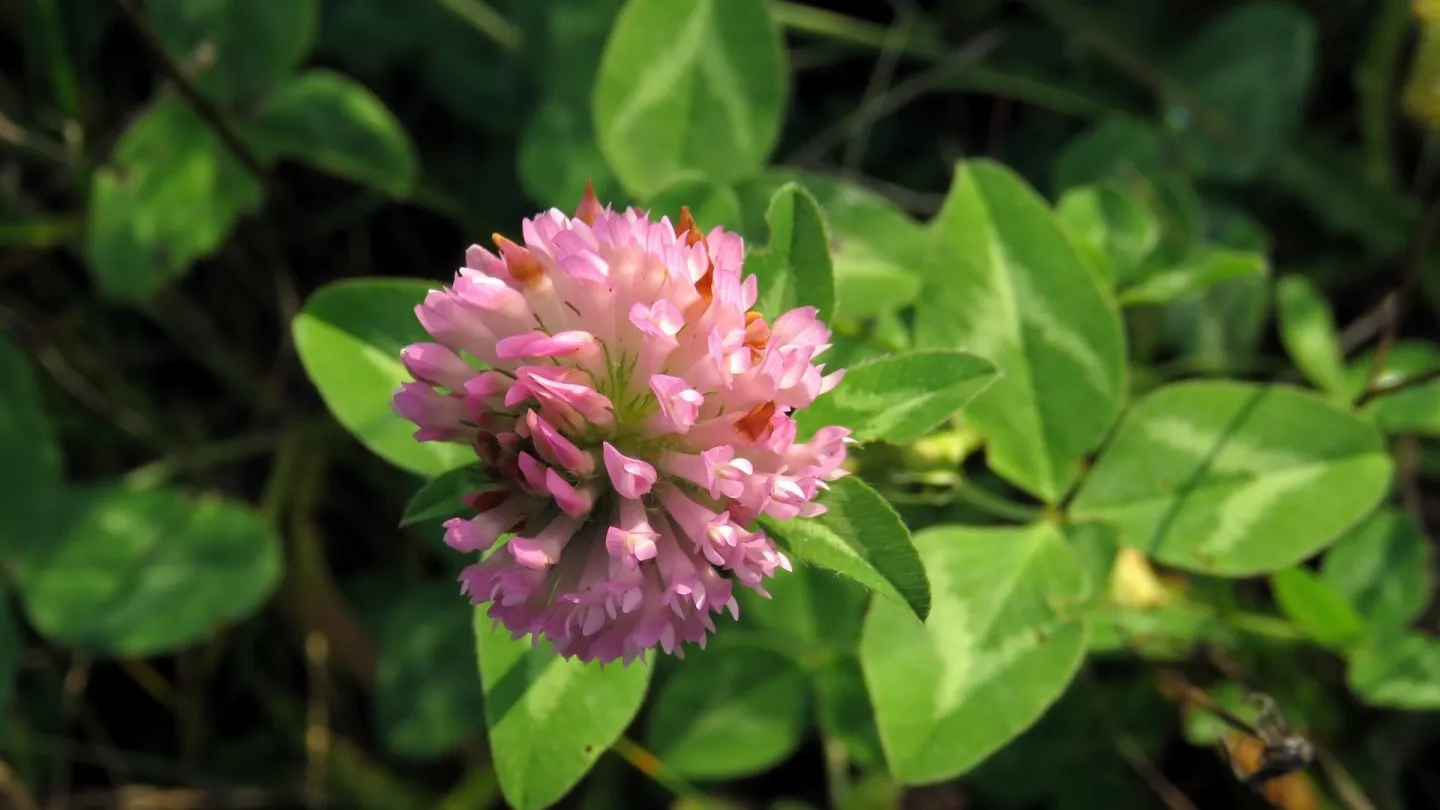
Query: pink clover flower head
x=635 y=416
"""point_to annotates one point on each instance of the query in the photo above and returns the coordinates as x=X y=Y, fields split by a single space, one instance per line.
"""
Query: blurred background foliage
x=208 y=603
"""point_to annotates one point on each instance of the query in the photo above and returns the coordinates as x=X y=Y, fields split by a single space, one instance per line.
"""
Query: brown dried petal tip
x=523 y=267
x=687 y=228
x=589 y=205
x=754 y=424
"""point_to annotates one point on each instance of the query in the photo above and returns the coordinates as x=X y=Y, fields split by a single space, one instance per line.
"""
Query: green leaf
x=899 y=398
x=349 y=338
x=12 y=647
x=844 y=711
x=1398 y=673
x=1413 y=410
x=1382 y=566
x=1008 y=285
x=861 y=537
x=426 y=701
x=794 y=269
x=710 y=203
x=367 y=36
x=811 y=612
x=146 y=573
x=697 y=85
x=1116 y=146
x=1002 y=641
x=1234 y=479
x=877 y=248
x=728 y=713
x=558 y=154
x=330 y=122
x=1057 y=764
x=1220 y=329
x=1250 y=71
x=1166 y=632
x=235 y=49
x=1307 y=328
x=1196 y=274
x=550 y=718
x=169 y=195
x=30 y=479
x=1320 y=610
x=1113 y=223
x=440 y=497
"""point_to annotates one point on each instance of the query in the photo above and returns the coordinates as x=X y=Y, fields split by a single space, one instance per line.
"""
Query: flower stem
x=650 y=765
x=996 y=505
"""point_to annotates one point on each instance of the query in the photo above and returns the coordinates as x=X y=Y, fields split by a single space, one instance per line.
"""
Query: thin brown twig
x=317 y=723
x=901 y=94
x=1403 y=296
x=895 y=38
x=207 y=111
x=1413 y=381
x=1134 y=755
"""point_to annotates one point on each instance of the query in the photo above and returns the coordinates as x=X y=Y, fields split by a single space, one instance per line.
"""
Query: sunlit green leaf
x=550 y=718
x=710 y=203
x=1317 y=607
x=1235 y=479
x=794 y=268
x=1002 y=641
x=1007 y=284
x=877 y=249
x=349 y=338
x=898 y=398
x=698 y=85
x=1307 y=328
x=861 y=537
x=1196 y=274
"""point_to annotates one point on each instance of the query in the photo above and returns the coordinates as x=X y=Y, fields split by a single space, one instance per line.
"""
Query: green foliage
x=794 y=269
x=30 y=480
x=550 y=718
x=426 y=703
x=1317 y=607
x=1232 y=479
x=1307 y=328
x=349 y=337
x=1002 y=640
x=861 y=537
x=441 y=497
x=236 y=48
x=898 y=398
x=328 y=121
x=1383 y=567
x=1083 y=404
x=689 y=86
x=1009 y=286
x=169 y=194
x=140 y=573
x=1399 y=672
x=734 y=711
x=1249 y=73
